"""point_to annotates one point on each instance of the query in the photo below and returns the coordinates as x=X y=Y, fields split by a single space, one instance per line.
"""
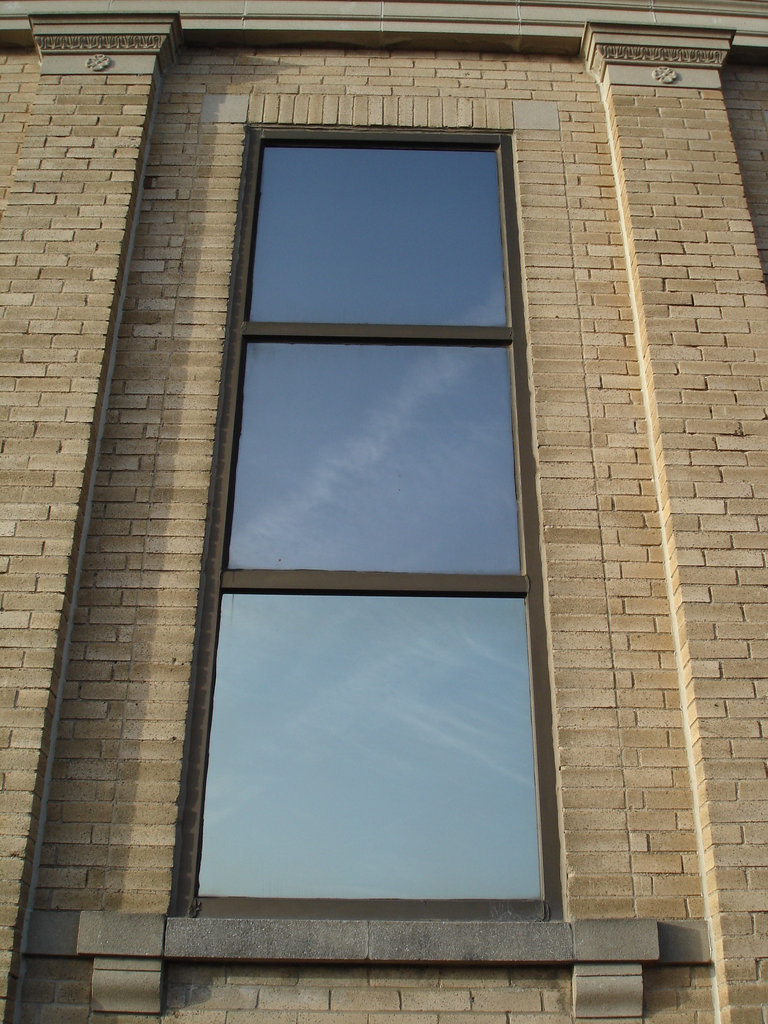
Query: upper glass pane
x=371 y=747
x=378 y=235
x=389 y=458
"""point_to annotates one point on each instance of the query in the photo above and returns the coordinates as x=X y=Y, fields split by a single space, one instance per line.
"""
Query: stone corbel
x=608 y=992
x=655 y=57
x=608 y=973
x=83 y=45
x=127 y=952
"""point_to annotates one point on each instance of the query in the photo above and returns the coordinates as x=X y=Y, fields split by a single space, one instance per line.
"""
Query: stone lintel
x=608 y=992
x=80 y=44
x=655 y=57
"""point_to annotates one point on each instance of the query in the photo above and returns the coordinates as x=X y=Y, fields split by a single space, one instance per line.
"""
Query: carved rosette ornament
x=665 y=75
x=99 y=62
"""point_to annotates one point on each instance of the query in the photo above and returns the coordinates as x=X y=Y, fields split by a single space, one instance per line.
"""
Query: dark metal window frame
x=217 y=581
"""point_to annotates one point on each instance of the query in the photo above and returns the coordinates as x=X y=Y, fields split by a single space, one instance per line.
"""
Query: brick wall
x=360 y=995
x=65 y=232
x=18 y=82
x=604 y=233
x=703 y=330
x=628 y=851
x=745 y=90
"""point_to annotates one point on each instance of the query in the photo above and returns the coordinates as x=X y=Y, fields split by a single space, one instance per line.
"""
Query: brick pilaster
x=64 y=238
x=701 y=306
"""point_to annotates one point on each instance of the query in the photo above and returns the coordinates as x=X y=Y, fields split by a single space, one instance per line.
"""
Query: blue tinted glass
x=364 y=235
x=371 y=747
x=376 y=458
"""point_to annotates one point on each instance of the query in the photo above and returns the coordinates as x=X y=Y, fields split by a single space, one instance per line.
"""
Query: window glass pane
x=376 y=235
x=376 y=458
x=371 y=747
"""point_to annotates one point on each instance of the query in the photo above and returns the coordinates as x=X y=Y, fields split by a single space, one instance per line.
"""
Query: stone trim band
x=626 y=53
x=125 y=42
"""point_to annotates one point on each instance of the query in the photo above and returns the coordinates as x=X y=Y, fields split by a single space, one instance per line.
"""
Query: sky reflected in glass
x=376 y=458
x=377 y=235
x=371 y=747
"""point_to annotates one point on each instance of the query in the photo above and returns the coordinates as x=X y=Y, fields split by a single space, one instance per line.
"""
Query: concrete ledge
x=125 y=935
x=684 y=942
x=470 y=941
x=619 y=941
x=53 y=933
x=255 y=939
x=369 y=941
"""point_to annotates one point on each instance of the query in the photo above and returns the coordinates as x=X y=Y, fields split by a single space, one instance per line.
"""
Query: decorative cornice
x=628 y=53
x=98 y=42
x=529 y=26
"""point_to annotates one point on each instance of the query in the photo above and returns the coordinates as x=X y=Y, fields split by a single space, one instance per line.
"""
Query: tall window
x=371 y=730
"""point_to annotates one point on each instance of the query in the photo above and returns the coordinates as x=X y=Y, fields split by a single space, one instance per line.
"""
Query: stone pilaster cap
x=656 y=49
x=106 y=38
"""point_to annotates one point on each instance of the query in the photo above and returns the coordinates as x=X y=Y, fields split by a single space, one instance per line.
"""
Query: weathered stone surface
x=616 y=939
x=607 y=991
x=114 y=934
x=241 y=939
x=126 y=985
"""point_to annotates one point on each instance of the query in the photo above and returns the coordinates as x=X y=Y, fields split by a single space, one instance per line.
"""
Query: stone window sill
x=108 y=934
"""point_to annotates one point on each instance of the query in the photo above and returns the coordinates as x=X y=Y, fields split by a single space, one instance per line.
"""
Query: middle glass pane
x=389 y=458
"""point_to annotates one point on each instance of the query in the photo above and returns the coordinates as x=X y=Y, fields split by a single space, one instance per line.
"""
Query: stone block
x=129 y=985
x=471 y=941
x=224 y=109
x=684 y=942
x=627 y=939
x=541 y=115
x=255 y=939
x=115 y=934
x=53 y=933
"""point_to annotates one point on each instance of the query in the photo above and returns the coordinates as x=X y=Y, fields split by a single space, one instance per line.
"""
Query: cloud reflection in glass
x=371 y=747
x=376 y=458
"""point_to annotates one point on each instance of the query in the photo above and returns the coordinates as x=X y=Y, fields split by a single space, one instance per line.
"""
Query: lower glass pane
x=371 y=747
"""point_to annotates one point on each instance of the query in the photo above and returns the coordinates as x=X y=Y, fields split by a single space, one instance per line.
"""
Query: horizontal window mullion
x=401 y=333
x=372 y=582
